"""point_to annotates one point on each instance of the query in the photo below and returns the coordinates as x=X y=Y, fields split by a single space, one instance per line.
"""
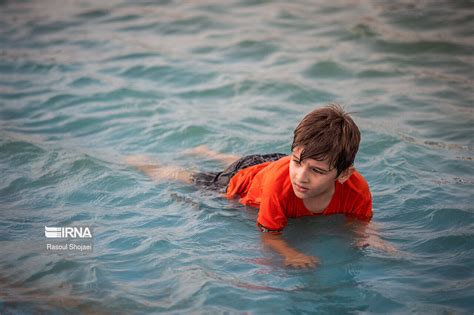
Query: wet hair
x=328 y=133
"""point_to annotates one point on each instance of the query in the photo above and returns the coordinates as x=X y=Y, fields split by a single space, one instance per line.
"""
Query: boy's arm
x=271 y=220
x=365 y=229
x=292 y=257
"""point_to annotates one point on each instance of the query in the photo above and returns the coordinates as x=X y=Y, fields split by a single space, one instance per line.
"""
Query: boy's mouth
x=300 y=188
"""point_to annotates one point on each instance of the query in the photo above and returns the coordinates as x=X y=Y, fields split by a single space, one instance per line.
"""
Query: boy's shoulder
x=358 y=179
x=255 y=179
x=358 y=185
x=277 y=172
x=274 y=180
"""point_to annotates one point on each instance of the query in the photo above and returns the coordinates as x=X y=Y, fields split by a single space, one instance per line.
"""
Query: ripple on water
x=121 y=19
x=126 y=243
x=169 y=75
x=446 y=241
x=160 y=77
x=249 y=50
x=139 y=56
x=85 y=82
x=93 y=14
x=328 y=69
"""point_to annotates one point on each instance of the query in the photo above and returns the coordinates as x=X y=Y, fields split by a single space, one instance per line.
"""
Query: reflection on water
x=84 y=83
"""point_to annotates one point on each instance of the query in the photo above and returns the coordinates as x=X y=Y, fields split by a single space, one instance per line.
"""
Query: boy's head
x=328 y=133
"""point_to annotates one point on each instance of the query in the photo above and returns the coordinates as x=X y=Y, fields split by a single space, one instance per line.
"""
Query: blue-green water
x=84 y=83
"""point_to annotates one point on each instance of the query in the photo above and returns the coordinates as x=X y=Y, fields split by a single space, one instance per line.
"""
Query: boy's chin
x=299 y=194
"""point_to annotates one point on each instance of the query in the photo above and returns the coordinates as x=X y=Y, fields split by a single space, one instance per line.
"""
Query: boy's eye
x=317 y=171
x=297 y=162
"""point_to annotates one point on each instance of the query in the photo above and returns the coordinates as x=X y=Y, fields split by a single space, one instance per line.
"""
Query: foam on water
x=84 y=83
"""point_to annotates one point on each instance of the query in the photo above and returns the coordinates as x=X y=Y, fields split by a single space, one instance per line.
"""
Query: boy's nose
x=301 y=176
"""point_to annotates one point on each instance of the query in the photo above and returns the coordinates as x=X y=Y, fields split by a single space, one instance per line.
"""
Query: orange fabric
x=268 y=187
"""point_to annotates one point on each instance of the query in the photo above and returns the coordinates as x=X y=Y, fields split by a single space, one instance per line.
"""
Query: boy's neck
x=319 y=203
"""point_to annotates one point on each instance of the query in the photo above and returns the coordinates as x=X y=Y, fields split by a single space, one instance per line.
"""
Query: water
x=84 y=83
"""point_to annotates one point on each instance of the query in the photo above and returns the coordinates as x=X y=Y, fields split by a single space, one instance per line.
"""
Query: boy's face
x=310 y=178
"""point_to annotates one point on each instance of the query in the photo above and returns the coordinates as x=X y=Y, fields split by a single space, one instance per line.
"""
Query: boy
x=318 y=178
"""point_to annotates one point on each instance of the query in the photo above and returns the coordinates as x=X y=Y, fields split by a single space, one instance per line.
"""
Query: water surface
x=84 y=83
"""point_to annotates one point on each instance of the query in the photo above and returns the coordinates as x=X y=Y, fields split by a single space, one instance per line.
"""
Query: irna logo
x=67 y=232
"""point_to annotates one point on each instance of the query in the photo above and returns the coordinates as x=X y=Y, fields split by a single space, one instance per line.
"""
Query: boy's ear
x=345 y=174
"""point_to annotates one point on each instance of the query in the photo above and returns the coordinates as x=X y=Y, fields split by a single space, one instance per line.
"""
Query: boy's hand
x=293 y=258
x=368 y=236
x=376 y=242
x=300 y=260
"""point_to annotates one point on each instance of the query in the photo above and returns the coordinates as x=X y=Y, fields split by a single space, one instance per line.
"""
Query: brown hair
x=328 y=133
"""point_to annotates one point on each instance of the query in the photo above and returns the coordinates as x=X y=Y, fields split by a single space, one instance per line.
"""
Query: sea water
x=85 y=83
